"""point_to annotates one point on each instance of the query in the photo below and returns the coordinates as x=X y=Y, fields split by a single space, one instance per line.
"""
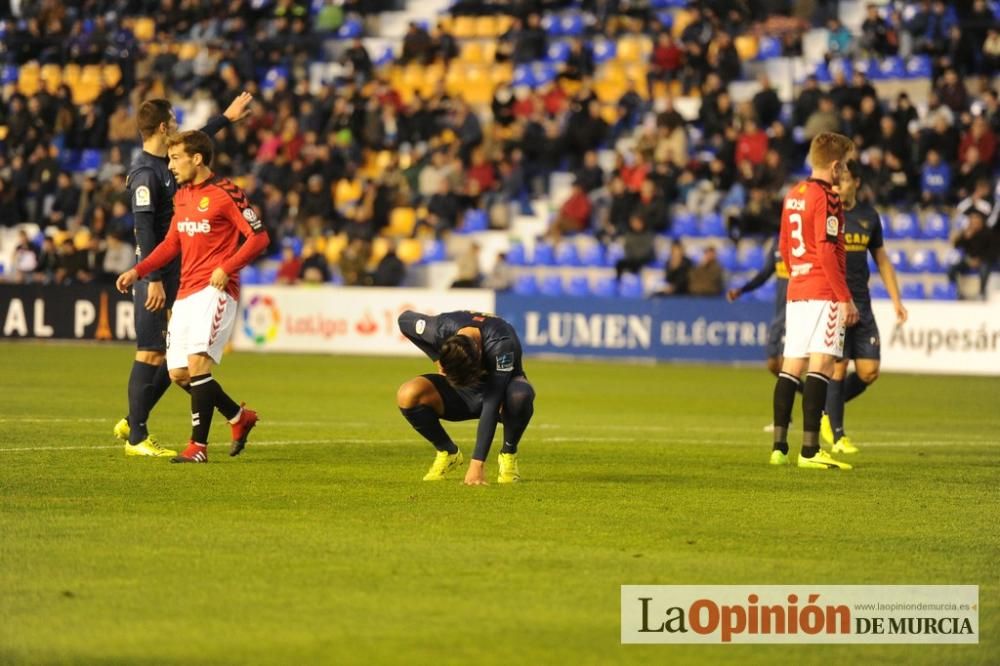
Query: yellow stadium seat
x=379 y=247
x=3 y=132
x=319 y=245
x=502 y=73
x=609 y=91
x=433 y=75
x=71 y=74
x=60 y=237
x=334 y=246
x=746 y=46
x=682 y=19
x=112 y=75
x=401 y=221
x=51 y=76
x=636 y=73
x=144 y=29
x=486 y=27
x=463 y=27
x=410 y=250
x=347 y=192
x=479 y=87
x=445 y=22
x=629 y=49
x=90 y=74
x=188 y=51
x=613 y=72
x=85 y=92
x=456 y=78
x=81 y=239
x=609 y=112
x=504 y=21
x=29 y=79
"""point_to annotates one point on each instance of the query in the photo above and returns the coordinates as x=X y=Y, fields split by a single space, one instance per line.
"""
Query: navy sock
x=426 y=422
x=161 y=382
x=853 y=387
x=784 y=399
x=139 y=381
x=835 y=407
x=518 y=408
x=813 y=399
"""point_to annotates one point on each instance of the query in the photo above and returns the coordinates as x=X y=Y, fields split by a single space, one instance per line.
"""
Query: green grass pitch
x=322 y=545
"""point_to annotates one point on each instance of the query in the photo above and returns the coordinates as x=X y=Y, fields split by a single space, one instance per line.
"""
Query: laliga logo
x=191 y=228
x=260 y=319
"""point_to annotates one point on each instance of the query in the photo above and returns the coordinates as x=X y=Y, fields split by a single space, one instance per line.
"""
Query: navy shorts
x=151 y=327
x=861 y=340
x=460 y=404
x=776 y=337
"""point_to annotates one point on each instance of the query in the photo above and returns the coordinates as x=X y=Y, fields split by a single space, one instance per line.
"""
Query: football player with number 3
x=820 y=306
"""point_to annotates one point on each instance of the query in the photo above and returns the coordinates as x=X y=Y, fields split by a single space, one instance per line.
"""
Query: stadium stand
x=422 y=121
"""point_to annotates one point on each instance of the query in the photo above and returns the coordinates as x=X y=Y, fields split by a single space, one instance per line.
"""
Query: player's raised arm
x=237 y=110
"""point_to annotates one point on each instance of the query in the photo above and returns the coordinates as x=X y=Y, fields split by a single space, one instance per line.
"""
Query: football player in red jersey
x=820 y=306
x=211 y=215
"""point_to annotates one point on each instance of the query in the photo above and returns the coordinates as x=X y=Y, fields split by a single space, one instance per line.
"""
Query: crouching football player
x=480 y=376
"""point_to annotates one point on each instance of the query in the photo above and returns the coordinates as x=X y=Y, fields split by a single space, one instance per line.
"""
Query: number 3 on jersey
x=798 y=243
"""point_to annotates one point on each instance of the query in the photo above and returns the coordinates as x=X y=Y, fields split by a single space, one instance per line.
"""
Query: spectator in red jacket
x=982 y=137
x=665 y=61
x=752 y=143
x=574 y=214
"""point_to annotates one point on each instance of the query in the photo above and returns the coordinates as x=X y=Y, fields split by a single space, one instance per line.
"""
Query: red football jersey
x=812 y=243
x=210 y=219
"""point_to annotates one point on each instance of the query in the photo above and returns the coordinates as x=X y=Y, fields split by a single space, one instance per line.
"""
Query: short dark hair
x=195 y=143
x=854 y=168
x=152 y=113
x=461 y=361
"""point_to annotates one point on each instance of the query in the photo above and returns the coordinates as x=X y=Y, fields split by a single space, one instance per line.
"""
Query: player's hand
x=156 y=297
x=851 y=314
x=732 y=295
x=901 y=314
x=239 y=108
x=126 y=280
x=219 y=279
x=475 y=475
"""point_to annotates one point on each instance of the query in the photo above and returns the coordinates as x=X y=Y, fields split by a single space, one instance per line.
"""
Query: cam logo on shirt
x=505 y=362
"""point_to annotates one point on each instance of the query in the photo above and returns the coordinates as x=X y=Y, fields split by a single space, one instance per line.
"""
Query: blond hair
x=827 y=148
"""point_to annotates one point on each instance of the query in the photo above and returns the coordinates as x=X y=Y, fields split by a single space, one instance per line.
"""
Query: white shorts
x=814 y=327
x=201 y=323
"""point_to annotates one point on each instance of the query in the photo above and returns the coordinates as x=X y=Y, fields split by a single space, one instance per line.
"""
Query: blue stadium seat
x=822 y=73
x=899 y=261
x=294 y=242
x=660 y=4
x=768 y=48
x=526 y=285
x=630 y=286
x=249 y=275
x=879 y=291
x=613 y=255
x=543 y=73
x=918 y=67
x=566 y=255
x=605 y=287
x=685 y=225
x=558 y=52
x=766 y=293
x=712 y=225
x=544 y=255
x=352 y=28
x=925 y=261
x=90 y=160
x=523 y=76
x=604 y=50
x=69 y=159
x=268 y=275
x=578 y=286
x=271 y=77
x=914 y=291
x=384 y=57
x=8 y=74
x=474 y=220
x=516 y=255
x=936 y=227
x=592 y=255
x=665 y=19
x=572 y=25
x=754 y=258
x=729 y=259
x=890 y=68
x=551 y=286
x=433 y=252
x=945 y=292
x=904 y=225
x=551 y=25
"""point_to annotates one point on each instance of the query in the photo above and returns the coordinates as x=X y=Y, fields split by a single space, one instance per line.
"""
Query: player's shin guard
x=784 y=399
x=139 y=399
x=835 y=407
x=813 y=399
x=853 y=387
x=518 y=407
x=426 y=422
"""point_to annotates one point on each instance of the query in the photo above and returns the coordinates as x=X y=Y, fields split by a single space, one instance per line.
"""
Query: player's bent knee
x=413 y=393
x=520 y=399
x=868 y=375
x=180 y=376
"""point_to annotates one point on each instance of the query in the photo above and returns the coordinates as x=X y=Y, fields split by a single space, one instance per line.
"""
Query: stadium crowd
x=340 y=160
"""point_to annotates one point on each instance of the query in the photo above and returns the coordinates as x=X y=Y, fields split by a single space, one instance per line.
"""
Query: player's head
x=849 y=184
x=188 y=152
x=830 y=152
x=156 y=116
x=461 y=360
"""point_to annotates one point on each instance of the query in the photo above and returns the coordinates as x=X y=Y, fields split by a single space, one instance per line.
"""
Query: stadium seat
x=604 y=50
x=944 y=292
x=614 y=254
x=629 y=49
x=402 y=220
x=578 y=286
x=936 y=227
x=543 y=73
x=925 y=261
x=434 y=252
x=712 y=225
x=567 y=255
x=746 y=46
x=270 y=79
x=293 y=242
x=918 y=67
x=250 y=275
x=878 y=291
x=523 y=76
x=384 y=56
x=90 y=160
x=475 y=220
x=665 y=19
x=487 y=27
x=766 y=293
x=268 y=275
x=571 y=25
x=685 y=225
x=903 y=225
x=630 y=286
x=891 y=68
x=605 y=287
x=558 y=52
x=551 y=25
x=914 y=291
x=8 y=74
x=729 y=259
x=351 y=29
x=899 y=261
x=144 y=28
x=543 y=255
x=754 y=258
x=769 y=47
x=516 y=255
x=551 y=286
x=410 y=251
x=592 y=255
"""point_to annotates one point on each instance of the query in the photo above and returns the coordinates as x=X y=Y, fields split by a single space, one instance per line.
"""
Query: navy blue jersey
x=862 y=235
